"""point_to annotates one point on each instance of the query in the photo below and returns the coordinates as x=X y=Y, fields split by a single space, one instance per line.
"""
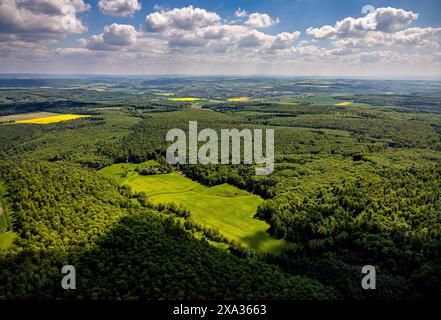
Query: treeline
x=121 y=250
x=241 y=176
x=429 y=103
x=52 y=106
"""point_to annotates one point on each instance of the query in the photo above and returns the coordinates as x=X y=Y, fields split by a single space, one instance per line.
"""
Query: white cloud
x=194 y=39
x=385 y=27
x=370 y=39
x=418 y=37
x=284 y=40
x=260 y=20
x=392 y=19
x=41 y=20
x=119 y=8
x=187 y=18
x=115 y=37
x=322 y=32
x=119 y=35
x=240 y=13
x=231 y=38
x=254 y=38
x=386 y=20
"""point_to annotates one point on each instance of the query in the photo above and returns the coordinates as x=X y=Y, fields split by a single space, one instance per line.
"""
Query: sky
x=215 y=37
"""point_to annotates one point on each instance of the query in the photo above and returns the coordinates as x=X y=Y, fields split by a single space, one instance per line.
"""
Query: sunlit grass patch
x=6 y=239
x=224 y=207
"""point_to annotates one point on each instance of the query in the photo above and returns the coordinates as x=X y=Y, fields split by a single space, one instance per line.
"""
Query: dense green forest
x=353 y=185
x=69 y=215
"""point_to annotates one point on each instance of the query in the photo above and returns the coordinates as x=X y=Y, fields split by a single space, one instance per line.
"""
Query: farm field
x=52 y=119
x=39 y=117
x=26 y=116
x=184 y=99
x=240 y=99
x=343 y=104
x=223 y=207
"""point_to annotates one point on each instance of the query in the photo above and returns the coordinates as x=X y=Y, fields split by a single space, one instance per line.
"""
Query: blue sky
x=294 y=14
x=316 y=37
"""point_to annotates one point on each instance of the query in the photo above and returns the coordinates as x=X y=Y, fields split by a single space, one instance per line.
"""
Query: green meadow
x=6 y=237
x=223 y=207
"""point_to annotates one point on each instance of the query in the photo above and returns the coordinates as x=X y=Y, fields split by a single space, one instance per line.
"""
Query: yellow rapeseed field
x=184 y=99
x=238 y=99
x=52 y=119
x=343 y=104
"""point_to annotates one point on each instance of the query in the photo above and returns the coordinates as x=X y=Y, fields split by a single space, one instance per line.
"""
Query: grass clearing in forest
x=223 y=207
x=6 y=239
x=3 y=219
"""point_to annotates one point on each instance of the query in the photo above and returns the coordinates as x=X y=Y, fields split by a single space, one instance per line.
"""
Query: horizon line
x=244 y=75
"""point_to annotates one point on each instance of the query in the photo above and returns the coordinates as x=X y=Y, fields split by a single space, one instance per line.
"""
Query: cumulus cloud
x=230 y=38
x=380 y=41
x=387 y=20
x=392 y=19
x=254 y=38
x=387 y=27
x=115 y=37
x=119 y=8
x=193 y=28
x=239 y=13
x=418 y=37
x=186 y=18
x=260 y=20
x=284 y=40
x=119 y=35
x=41 y=20
x=408 y=38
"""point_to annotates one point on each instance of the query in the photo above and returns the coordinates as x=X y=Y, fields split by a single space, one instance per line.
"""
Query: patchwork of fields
x=223 y=207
